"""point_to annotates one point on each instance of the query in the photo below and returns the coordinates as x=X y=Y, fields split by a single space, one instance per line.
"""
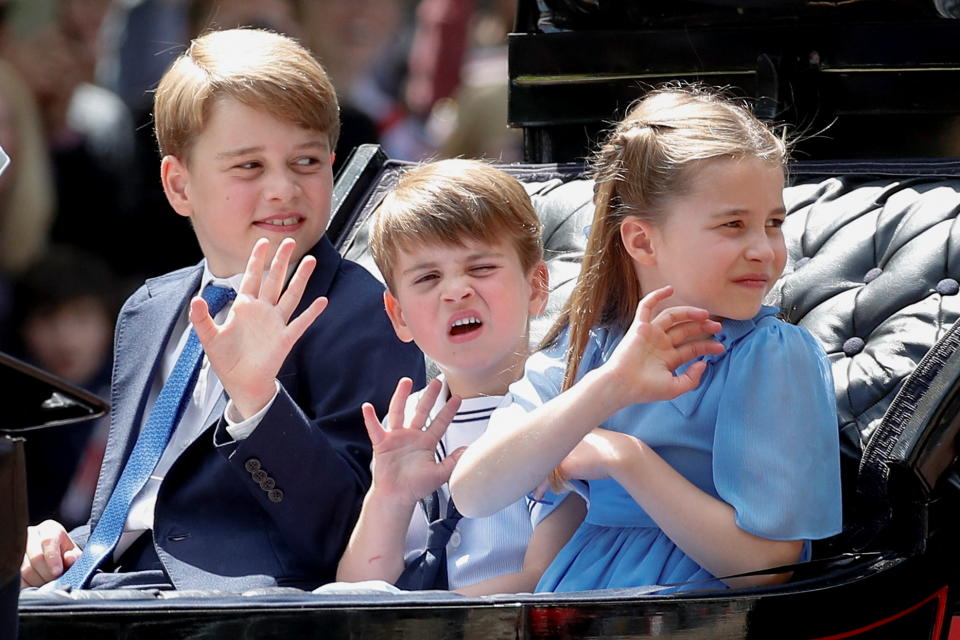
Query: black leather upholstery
x=873 y=275
x=13 y=529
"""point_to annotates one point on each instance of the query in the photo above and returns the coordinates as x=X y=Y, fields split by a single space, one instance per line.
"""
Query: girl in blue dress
x=704 y=426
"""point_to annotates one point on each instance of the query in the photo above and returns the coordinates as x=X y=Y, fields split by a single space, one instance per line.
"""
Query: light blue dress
x=759 y=433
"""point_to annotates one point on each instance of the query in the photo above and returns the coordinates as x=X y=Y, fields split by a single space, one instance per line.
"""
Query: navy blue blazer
x=219 y=524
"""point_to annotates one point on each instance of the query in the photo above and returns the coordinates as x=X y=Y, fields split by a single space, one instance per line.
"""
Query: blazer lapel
x=141 y=336
x=328 y=263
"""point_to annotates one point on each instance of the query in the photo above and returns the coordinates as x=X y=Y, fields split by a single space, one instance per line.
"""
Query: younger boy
x=261 y=490
x=458 y=243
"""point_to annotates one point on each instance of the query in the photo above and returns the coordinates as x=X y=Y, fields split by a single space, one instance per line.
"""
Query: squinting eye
x=775 y=222
x=249 y=165
x=425 y=278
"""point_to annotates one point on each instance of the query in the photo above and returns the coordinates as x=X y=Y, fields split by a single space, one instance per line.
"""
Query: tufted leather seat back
x=872 y=271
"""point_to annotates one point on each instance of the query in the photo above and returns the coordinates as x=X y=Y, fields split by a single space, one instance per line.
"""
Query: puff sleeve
x=543 y=372
x=776 y=445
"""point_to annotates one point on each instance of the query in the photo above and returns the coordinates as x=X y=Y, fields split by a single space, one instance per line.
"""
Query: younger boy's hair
x=449 y=202
x=258 y=68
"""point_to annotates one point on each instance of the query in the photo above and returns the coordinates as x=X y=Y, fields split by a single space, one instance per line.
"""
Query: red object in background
x=437 y=54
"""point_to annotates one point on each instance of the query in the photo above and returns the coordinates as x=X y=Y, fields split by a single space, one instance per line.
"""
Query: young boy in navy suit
x=262 y=477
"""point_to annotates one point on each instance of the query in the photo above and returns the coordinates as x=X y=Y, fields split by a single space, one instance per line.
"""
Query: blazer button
x=259 y=476
x=275 y=495
x=251 y=465
x=268 y=483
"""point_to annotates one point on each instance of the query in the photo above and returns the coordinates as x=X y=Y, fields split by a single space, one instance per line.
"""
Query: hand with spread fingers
x=404 y=471
x=653 y=347
x=404 y=465
x=247 y=350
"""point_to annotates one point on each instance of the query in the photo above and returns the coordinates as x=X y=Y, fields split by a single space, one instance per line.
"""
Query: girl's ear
x=395 y=314
x=638 y=237
x=539 y=288
x=175 y=178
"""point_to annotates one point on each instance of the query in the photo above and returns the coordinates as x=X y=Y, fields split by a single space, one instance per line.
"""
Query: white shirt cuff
x=240 y=429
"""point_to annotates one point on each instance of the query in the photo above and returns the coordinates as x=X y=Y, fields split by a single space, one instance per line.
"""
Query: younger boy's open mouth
x=465 y=326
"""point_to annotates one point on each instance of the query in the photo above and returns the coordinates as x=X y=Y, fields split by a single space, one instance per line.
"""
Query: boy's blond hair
x=449 y=202
x=258 y=68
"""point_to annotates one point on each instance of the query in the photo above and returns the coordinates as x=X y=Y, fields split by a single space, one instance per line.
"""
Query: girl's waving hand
x=654 y=346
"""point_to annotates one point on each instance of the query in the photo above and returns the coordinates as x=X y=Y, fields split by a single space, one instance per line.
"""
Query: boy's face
x=251 y=176
x=467 y=308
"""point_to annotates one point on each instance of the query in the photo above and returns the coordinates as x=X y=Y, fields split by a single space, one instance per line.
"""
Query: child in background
x=698 y=470
x=458 y=243
x=65 y=305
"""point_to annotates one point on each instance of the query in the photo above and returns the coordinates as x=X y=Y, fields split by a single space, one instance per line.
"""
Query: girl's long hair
x=649 y=157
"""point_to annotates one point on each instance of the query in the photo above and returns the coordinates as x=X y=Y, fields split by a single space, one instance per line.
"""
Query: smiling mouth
x=284 y=222
x=465 y=325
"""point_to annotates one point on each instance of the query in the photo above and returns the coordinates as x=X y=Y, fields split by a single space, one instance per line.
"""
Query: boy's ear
x=175 y=177
x=539 y=288
x=395 y=314
x=639 y=240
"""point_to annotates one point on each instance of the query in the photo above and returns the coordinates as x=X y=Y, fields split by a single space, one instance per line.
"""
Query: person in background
x=364 y=44
x=89 y=131
x=66 y=303
x=27 y=197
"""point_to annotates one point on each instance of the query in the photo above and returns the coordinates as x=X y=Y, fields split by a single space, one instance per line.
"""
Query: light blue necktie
x=151 y=442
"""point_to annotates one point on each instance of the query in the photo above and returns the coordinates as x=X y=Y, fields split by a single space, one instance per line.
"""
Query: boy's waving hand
x=247 y=350
x=404 y=466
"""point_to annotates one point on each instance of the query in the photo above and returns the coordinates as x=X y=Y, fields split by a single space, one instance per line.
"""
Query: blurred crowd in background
x=83 y=218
